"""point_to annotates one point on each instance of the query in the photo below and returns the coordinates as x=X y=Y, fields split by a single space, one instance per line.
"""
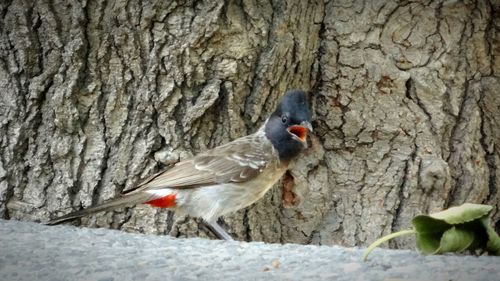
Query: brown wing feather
x=237 y=161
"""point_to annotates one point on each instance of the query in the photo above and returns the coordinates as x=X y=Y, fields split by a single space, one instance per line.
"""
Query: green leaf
x=464 y=213
x=493 y=244
x=453 y=230
x=429 y=232
x=455 y=239
x=428 y=243
x=436 y=233
x=427 y=224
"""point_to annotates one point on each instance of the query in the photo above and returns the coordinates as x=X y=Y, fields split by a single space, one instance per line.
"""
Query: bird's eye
x=284 y=119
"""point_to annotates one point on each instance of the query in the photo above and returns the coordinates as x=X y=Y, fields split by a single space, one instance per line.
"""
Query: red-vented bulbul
x=229 y=177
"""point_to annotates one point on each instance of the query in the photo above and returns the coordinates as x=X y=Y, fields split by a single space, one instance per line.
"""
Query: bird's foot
x=216 y=229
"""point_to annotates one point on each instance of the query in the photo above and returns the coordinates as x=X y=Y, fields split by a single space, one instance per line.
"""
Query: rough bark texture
x=97 y=95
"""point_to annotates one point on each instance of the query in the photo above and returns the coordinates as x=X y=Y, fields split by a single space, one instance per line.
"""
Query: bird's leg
x=218 y=231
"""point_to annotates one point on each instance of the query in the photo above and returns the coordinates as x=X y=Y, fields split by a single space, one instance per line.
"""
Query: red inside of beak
x=299 y=131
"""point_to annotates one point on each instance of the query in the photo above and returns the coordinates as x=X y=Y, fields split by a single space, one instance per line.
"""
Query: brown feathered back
x=240 y=161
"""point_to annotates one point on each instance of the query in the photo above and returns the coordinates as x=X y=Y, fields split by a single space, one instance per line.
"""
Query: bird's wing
x=237 y=161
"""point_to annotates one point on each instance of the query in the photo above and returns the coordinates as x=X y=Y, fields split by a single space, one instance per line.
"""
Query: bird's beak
x=307 y=125
x=299 y=132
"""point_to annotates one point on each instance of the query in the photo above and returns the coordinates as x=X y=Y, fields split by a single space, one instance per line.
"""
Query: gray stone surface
x=32 y=251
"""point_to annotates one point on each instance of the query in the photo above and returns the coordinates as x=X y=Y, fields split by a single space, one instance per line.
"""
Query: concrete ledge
x=30 y=251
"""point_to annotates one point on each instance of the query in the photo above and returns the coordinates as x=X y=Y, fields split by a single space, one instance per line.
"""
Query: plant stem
x=386 y=238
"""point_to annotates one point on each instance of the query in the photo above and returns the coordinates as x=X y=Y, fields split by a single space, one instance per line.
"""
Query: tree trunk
x=97 y=95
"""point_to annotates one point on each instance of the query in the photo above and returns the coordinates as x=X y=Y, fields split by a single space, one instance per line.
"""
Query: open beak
x=299 y=132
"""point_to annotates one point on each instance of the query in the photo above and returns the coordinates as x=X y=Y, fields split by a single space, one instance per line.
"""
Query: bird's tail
x=123 y=201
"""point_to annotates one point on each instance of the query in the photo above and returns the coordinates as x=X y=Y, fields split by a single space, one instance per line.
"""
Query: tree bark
x=97 y=95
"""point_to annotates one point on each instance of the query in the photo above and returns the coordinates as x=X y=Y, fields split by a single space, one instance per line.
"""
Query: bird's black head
x=288 y=125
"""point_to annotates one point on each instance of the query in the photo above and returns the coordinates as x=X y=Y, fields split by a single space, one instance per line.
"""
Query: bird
x=226 y=178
